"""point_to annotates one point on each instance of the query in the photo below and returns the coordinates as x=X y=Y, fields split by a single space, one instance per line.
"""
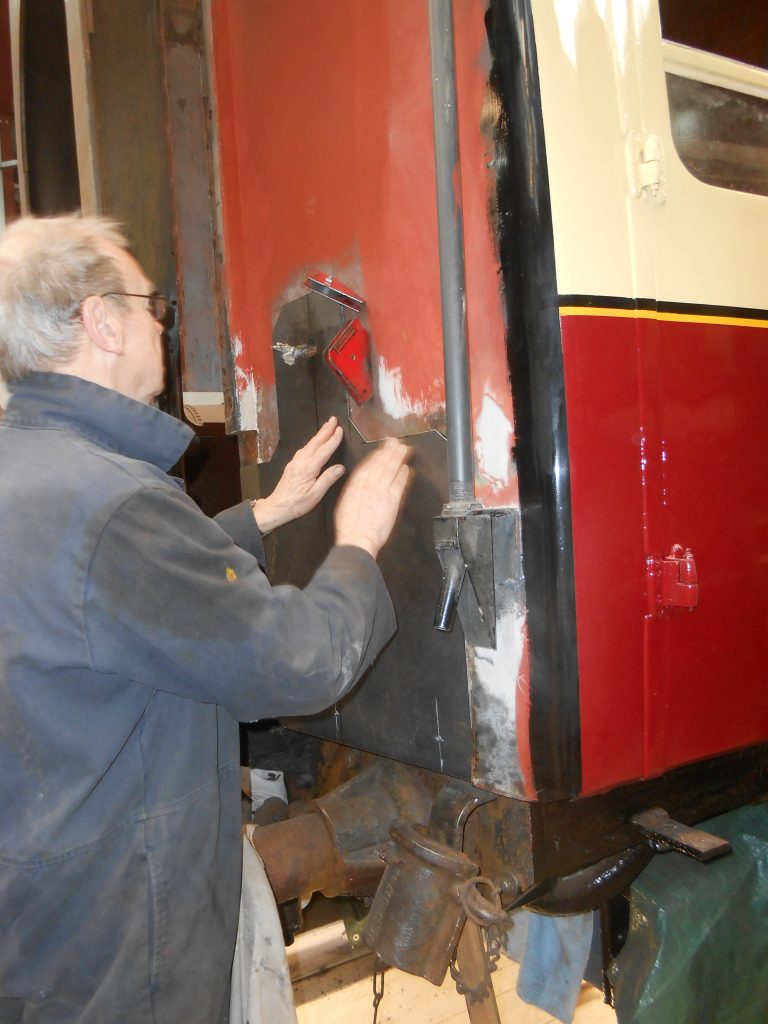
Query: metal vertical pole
x=451 y=239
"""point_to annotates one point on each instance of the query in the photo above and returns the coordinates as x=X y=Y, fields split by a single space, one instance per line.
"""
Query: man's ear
x=102 y=324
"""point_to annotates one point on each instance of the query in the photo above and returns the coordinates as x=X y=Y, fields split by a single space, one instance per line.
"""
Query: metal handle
x=482 y=911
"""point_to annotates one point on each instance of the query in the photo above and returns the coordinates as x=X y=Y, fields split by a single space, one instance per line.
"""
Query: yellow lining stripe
x=649 y=314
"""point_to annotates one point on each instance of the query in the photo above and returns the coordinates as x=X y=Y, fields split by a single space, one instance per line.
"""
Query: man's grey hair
x=48 y=267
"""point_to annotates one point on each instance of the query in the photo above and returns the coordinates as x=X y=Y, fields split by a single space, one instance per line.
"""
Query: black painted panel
x=413 y=703
x=526 y=250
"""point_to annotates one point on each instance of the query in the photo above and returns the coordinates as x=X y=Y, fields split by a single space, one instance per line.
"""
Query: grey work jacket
x=134 y=633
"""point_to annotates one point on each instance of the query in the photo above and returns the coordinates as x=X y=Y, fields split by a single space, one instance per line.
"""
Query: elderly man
x=135 y=632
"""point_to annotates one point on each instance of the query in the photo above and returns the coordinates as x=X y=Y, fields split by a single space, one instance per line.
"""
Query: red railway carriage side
x=616 y=310
x=530 y=237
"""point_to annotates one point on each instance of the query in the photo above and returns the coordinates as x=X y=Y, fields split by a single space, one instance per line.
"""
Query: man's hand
x=367 y=509
x=303 y=482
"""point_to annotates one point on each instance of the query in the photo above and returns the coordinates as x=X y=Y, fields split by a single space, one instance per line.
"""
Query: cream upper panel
x=605 y=109
x=585 y=120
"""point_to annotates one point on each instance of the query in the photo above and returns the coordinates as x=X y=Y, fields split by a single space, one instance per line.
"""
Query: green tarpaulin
x=697 y=950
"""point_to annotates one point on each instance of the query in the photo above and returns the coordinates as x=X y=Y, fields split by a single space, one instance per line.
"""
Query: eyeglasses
x=157 y=304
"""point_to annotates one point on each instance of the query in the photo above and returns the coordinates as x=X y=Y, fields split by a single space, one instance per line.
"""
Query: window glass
x=721 y=135
x=735 y=30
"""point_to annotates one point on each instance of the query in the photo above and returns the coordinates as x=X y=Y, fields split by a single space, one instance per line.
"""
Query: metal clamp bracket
x=481 y=544
x=656 y=825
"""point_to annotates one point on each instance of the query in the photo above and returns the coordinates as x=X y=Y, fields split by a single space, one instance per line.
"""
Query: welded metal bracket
x=667 y=834
x=451 y=808
x=481 y=545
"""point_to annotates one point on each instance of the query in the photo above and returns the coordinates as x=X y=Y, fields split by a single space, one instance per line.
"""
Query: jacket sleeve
x=170 y=602
x=241 y=526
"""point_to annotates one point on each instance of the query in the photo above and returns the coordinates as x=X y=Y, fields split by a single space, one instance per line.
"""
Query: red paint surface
x=325 y=129
x=607 y=506
x=327 y=161
x=667 y=436
x=714 y=386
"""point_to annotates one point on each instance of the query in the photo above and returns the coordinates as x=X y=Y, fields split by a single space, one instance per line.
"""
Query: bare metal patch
x=493 y=677
x=291 y=353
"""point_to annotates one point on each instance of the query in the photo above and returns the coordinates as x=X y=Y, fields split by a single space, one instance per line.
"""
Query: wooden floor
x=343 y=994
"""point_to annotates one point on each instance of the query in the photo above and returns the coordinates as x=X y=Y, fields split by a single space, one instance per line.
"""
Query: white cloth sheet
x=261 y=985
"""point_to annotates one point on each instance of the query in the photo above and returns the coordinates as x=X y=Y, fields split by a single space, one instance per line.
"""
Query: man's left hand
x=304 y=481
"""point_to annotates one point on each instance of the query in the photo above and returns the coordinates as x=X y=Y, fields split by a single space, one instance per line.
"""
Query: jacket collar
x=112 y=420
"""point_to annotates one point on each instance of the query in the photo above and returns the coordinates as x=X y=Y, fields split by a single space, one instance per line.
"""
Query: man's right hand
x=367 y=509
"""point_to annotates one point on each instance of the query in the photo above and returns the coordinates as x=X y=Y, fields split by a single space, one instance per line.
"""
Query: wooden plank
x=321 y=950
x=344 y=995
x=79 y=29
x=14 y=15
x=201 y=316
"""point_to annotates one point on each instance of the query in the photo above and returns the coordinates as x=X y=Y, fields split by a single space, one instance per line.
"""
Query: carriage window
x=720 y=135
x=735 y=30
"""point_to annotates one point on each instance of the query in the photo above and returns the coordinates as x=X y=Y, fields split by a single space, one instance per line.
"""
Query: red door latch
x=673 y=581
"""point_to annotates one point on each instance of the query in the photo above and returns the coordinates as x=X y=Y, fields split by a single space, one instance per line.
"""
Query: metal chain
x=378 y=989
x=494 y=938
x=492 y=943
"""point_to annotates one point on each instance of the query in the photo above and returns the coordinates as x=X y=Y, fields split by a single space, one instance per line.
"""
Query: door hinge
x=672 y=581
